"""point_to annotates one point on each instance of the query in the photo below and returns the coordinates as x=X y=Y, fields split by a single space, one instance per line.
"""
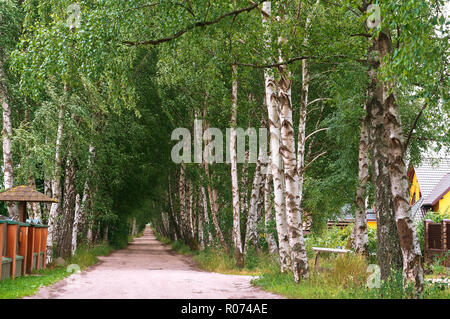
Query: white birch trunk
x=66 y=222
x=271 y=242
x=251 y=235
x=236 y=234
x=56 y=188
x=200 y=214
x=205 y=214
x=360 y=237
x=8 y=167
x=133 y=227
x=299 y=259
x=189 y=208
x=276 y=164
x=212 y=194
x=76 y=222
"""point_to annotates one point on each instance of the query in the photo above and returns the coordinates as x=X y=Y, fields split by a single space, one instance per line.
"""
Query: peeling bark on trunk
x=185 y=210
x=236 y=234
x=76 y=222
x=271 y=242
x=64 y=241
x=56 y=188
x=360 y=237
x=173 y=215
x=205 y=215
x=200 y=214
x=212 y=193
x=189 y=209
x=81 y=203
x=275 y=160
x=244 y=187
x=291 y=178
x=251 y=235
x=409 y=244
x=8 y=173
x=412 y=256
x=388 y=245
x=182 y=198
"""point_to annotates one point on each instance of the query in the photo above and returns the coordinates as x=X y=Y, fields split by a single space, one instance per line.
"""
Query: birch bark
x=56 y=187
x=409 y=244
x=8 y=167
x=271 y=242
x=251 y=235
x=360 y=237
x=212 y=194
x=236 y=234
x=66 y=221
x=205 y=214
x=275 y=159
x=389 y=254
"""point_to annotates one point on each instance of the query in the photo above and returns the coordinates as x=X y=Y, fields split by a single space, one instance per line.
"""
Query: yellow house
x=429 y=186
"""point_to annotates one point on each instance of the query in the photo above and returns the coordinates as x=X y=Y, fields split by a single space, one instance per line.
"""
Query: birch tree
x=234 y=174
x=271 y=99
x=359 y=235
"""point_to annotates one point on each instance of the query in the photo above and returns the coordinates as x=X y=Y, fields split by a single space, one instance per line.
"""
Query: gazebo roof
x=24 y=194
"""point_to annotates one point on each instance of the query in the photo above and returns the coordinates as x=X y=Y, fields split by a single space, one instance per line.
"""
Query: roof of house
x=24 y=194
x=430 y=172
x=442 y=188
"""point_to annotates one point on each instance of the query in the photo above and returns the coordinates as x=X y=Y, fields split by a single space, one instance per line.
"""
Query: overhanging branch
x=193 y=26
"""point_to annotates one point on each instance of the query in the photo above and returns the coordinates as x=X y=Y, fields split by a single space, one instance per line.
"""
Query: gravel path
x=149 y=269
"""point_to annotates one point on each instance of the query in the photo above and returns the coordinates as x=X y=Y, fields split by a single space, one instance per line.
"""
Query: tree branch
x=313 y=160
x=193 y=26
x=319 y=100
x=413 y=126
x=316 y=131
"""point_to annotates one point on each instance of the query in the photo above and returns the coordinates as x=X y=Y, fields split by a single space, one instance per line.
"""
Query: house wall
x=414 y=191
x=444 y=203
x=372 y=224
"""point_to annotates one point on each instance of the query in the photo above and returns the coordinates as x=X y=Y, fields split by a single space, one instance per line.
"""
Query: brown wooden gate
x=437 y=240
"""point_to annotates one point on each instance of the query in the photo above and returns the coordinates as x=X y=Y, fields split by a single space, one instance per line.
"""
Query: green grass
x=342 y=277
x=337 y=277
x=29 y=284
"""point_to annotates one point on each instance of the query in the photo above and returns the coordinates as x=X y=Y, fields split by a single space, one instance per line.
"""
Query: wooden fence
x=437 y=241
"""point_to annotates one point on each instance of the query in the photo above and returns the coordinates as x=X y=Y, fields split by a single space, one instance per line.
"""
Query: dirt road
x=149 y=269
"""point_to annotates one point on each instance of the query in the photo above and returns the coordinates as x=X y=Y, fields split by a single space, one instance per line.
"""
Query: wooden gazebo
x=24 y=194
x=22 y=245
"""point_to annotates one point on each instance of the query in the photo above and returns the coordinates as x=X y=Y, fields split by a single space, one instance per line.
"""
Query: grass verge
x=29 y=284
x=338 y=277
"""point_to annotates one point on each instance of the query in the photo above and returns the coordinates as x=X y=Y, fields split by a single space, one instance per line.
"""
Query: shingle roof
x=430 y=172
x=24 y=194
x=442 y=188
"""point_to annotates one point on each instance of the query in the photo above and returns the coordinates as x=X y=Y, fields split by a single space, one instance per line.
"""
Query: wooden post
x=316 y=261
x=2 y=232
x=445 y=243
x=11 y=246
x=31 y=248
x=23 y=246
x=37 y=244
x=44 y=231
x=23 y=211
x=426 y=242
